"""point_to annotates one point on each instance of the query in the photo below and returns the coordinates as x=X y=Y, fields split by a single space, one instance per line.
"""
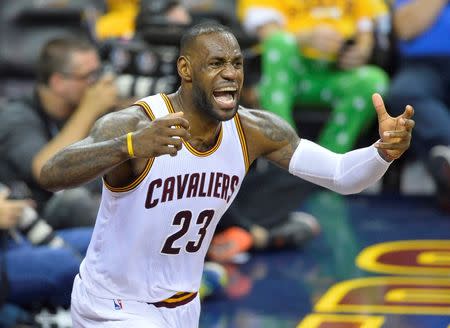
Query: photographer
x=70 y=94
x=139 y=39
x=37 y=268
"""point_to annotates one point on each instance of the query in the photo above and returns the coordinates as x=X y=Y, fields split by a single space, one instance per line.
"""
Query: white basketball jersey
x=151 y=237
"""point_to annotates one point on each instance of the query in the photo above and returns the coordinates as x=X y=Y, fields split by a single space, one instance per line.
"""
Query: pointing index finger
x=378 y=103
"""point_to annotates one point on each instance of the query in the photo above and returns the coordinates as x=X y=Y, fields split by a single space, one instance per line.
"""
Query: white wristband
x=346 y=173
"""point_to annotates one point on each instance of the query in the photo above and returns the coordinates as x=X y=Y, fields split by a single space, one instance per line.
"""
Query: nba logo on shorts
x=118 y=304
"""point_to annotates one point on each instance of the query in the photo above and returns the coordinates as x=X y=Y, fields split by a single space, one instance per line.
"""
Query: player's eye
x=215 y=64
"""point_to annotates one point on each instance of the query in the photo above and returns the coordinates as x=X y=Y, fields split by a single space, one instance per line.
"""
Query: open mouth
x=226 y=98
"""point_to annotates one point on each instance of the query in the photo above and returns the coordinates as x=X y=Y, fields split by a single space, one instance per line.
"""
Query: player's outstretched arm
x=115 y=139
x=346 y=173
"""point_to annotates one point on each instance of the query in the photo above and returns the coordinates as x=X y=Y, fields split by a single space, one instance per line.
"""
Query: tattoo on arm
x=272 y=131
x=281 y=137
x=89 y=158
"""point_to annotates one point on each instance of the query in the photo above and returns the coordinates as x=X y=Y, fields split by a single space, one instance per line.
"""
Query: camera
x=141 y=68
x=30 y=224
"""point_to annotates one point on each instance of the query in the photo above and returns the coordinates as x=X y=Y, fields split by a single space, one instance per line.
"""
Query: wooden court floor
x=380 y=262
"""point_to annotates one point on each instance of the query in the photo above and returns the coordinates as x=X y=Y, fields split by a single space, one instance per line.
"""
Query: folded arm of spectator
x=422 y=12
x=323 y=38
x=358 y=53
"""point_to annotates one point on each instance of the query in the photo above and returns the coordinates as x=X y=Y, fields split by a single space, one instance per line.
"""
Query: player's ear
x=184 y=68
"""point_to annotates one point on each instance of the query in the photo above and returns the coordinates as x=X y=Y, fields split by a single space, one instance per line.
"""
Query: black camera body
x=141 y=68
x=35 y=228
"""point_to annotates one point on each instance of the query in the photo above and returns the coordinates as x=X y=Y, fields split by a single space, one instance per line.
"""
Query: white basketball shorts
x=89 y=311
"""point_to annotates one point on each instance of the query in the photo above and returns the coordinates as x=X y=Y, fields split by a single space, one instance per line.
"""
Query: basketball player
x=172 y=164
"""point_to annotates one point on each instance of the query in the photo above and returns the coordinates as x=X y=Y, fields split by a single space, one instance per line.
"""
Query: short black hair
x=197 y=30
x=55 y=55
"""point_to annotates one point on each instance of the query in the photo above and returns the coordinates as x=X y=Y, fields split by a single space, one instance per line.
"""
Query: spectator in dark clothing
x=422 y=29
x=70 y=94
x=36 y=274
x=268 y=218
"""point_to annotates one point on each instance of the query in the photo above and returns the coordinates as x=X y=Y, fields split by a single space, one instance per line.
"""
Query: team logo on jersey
x=118 y=304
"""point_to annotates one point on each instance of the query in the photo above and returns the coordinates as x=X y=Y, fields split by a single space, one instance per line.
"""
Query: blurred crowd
x=64 y=64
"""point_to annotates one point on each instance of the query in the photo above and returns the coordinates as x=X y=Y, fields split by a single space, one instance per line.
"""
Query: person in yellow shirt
x=119 y=21
x=316 y=53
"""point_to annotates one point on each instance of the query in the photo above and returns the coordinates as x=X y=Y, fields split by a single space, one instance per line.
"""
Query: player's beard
x=202 y=102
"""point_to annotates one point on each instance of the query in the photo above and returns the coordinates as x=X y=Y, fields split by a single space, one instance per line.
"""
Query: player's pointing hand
x=395 y=132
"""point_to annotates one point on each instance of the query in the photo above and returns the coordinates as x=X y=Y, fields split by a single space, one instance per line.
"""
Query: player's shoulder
x=264 y=131
x=249 y=115
x=254 y=119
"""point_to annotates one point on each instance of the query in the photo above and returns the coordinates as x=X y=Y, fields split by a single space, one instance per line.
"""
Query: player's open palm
x=162 y=136
x=395 y=132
